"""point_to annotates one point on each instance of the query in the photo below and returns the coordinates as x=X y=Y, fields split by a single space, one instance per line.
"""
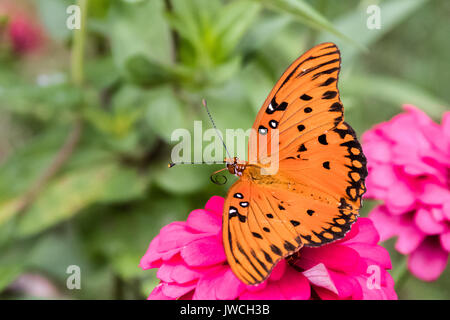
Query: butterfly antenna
x=171 y=164
x=214 y=126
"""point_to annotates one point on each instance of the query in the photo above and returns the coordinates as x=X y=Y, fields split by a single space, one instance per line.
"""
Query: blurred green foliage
x=83 y=175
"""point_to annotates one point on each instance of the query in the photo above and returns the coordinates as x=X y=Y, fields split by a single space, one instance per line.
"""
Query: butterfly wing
x=303 y=104
x=316 y=194
x=265 y=223
x=333 y=168
x=255 y=235
x=316 y=147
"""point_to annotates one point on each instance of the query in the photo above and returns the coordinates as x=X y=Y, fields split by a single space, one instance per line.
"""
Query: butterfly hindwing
x=255 y=233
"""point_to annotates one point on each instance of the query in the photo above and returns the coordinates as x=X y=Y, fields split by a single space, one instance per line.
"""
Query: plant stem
x=401 y=274
x=77 y=54
x=69 y=145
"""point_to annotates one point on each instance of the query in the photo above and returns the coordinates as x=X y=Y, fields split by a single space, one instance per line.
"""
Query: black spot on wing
x=302 y=148
x=329 y=95
x=276 y=250
x=336 y=107
x=305 y=97
x=329 y=81
x=295 y=223
x=257 y=235
x=324 y=72
x=323 y=139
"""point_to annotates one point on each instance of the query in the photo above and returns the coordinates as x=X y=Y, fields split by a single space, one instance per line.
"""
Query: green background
x=83 y=155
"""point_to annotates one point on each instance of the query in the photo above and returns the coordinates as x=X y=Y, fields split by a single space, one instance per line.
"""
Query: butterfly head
x=235 y=166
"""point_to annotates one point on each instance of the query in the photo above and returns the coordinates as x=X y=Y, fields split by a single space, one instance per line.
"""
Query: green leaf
x=395 y=91
x=98 y=8
x=232 y=24
x=71 y=192
x=139 y=29
x=307 y=15
x=182 y=179
x=263 y=31
x=9 y=273
x=125 y=236
x=53 y=15
x=24 y=166
x=164 y=112
x=354 y=25
x=54 y=102
x=145 y=72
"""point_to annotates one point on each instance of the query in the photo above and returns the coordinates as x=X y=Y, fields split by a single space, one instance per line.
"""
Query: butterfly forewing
x=299 y=105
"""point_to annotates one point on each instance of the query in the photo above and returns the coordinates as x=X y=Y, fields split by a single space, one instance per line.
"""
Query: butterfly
x=315 y=195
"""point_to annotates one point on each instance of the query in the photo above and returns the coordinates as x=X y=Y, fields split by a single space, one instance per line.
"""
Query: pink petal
x=386 y=224
x=446 y=209
x=230 y=287
x=400 y=198
x=445 y=240
x=367 y=233
x=425 y=221
x=428 y=261
x=384 y=292
x=294 y=285
x=335 y=256
x=176 y=235
x=204 y=252
x=215 y=205
x=319 y=276
x=174 y=290
x=347 y=286
x=383 y=175
x=409 y=238
x=325 y=294
x=175 y=270
x=446 y=128
x=278 y=270
x=375 y=147
x=434 y=194
x=218 y=283
x=271 y=292
x=373 y=252
x=157 y=294
x=204 y=221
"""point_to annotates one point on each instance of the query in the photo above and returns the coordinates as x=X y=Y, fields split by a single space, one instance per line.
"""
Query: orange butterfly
x=316 y=194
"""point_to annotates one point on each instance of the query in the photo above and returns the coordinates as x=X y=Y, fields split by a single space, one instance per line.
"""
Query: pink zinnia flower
x=25 y=35
x=192 y=264
x=409 y=170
